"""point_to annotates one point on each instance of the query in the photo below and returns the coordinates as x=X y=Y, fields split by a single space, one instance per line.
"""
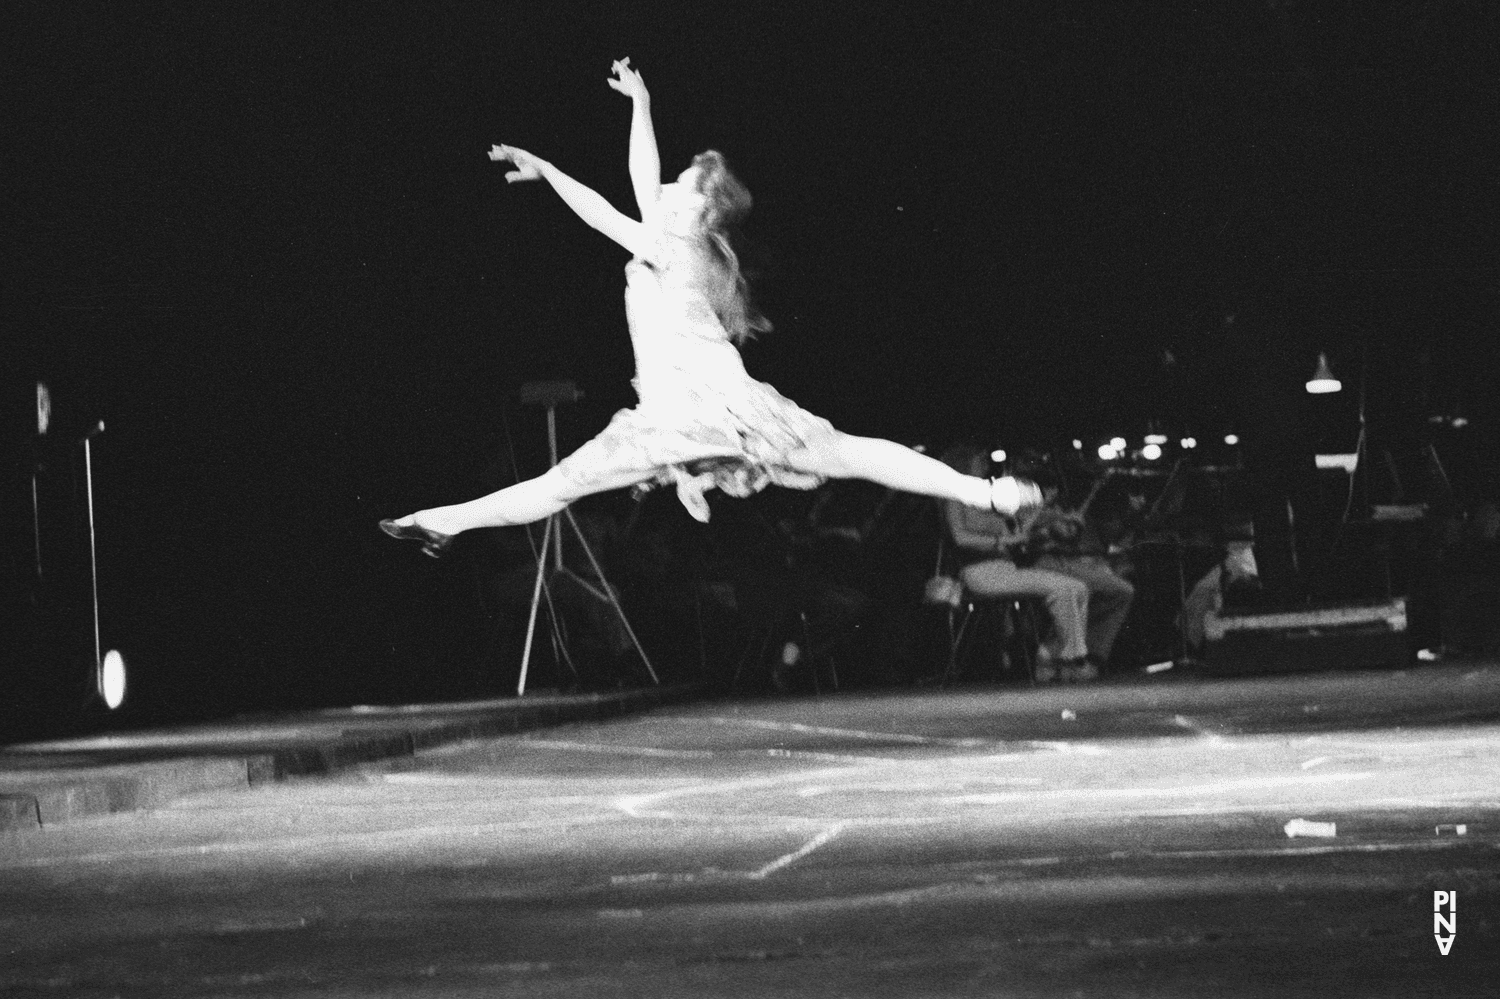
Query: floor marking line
x=1197 y=728
x=796 y=855
x=632 y=804
x=1144 y=792
x=1429 y=844
x=852 y=733
x=289 y=842
x=616 y=750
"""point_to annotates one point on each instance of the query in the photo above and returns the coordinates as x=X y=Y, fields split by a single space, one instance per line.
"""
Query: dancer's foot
x=1008 y=495
x=407 y=529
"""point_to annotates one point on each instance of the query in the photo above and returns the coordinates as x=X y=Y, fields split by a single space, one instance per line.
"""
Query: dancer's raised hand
x=627 y=81
x=528 y=167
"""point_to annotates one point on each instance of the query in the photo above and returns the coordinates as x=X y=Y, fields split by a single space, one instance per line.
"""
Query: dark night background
x=263 y=243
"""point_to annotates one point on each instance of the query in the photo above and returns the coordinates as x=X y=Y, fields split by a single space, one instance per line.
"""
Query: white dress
x=702 y=421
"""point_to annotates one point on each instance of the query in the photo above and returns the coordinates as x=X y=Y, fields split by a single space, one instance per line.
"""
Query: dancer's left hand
x=528 y=167
x=628 y=81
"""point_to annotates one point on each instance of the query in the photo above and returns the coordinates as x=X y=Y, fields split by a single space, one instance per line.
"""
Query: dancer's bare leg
x=521 y=503
x=886 y=463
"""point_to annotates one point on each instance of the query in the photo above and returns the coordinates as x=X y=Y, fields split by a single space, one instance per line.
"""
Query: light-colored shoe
x=1078 y=671
x=1044 y=669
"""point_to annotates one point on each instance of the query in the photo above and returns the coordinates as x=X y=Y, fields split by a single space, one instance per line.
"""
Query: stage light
x=1151 y=452
x=1322 y=381
x=1156 y=438
x=1118 y=443
x=112 y=679
x=43 y=408
x=1108 y=452
x=1231 y=439
x=997 y=455
x=1459 y=422
x=1077 y=445
x=1344 y=462
x=1188 y=443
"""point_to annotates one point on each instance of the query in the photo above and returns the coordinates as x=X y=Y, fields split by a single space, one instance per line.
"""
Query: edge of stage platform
x=45 y=783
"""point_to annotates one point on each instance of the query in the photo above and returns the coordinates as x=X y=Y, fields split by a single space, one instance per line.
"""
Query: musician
x=1042 y=555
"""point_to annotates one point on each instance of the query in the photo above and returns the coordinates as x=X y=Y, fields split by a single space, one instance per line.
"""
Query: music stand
x=550 y=395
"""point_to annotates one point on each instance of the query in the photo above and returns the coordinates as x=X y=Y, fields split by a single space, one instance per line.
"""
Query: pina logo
x=1444 y=919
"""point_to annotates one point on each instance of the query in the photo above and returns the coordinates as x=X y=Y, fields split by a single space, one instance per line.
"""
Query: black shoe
x=433 y=543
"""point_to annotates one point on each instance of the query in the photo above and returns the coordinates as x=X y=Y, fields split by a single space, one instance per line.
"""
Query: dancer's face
x=681 y=202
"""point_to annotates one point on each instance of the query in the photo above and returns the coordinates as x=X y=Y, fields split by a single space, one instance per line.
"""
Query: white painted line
x=619 y=750
x=1415 y=845
x=1058 y=746
x=796 y=855
x=1220 y=787
x=283 y=844
x=847 y=733
x=807 y=754
x=1197 y=728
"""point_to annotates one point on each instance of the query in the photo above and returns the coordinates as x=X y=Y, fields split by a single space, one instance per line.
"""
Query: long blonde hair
x=728 y=202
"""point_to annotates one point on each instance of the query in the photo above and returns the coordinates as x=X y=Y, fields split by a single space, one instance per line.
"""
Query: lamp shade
x=1322 y=381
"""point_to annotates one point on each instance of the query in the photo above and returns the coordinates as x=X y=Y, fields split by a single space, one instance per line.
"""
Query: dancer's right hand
x=528 y=167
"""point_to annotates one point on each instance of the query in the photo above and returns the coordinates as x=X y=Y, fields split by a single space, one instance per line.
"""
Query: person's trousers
x=1109 y=597
x=1066 y=597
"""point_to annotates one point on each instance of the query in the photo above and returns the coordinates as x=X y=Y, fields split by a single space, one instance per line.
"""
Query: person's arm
x=645 y=161
x=585 y=201
x=979 y=530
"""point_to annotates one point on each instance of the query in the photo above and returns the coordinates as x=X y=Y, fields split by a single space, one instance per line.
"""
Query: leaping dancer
x=702 y=421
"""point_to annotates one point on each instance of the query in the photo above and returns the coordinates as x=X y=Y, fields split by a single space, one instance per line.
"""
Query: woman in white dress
x=702 y=421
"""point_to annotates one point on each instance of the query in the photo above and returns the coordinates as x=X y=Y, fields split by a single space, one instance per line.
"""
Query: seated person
x=1040 y=556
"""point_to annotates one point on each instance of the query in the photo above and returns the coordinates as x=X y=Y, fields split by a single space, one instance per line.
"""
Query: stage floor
x=1111 y=840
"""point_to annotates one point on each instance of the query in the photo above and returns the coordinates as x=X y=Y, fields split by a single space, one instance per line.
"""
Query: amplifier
x=1353 y=636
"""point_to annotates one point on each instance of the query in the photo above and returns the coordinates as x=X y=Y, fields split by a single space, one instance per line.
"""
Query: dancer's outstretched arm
x=585 y=201
x=645 y=161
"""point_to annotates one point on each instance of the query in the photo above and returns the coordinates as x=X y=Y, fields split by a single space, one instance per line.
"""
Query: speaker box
x=1353 y=636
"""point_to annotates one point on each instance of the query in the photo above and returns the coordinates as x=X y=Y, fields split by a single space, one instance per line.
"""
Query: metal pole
x=88 y=466
x=536 y=597
x=557 y=559
x=609 y=593
x=36 y=524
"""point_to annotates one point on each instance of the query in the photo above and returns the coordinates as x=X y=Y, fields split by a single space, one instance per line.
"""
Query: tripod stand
x=550 y=394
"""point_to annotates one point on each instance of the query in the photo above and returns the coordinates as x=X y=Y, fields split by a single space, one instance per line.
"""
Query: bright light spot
x=1343 y=462
x=1077 y=445
x=1108 y=452
x=997 y=455
x=112 y=679
x=1322 y=381
x=1188 y=443
x=1460 y=421
x=1151 y=452
x=1231 y=439
x=43 y=407
x=1156 y=438
x=1118 y=443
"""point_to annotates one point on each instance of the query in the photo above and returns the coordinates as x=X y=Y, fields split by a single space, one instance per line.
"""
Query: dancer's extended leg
x=521 y=503
x=844 y=456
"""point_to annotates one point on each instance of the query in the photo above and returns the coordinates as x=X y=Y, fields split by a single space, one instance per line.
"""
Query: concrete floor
x=1116 y=840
